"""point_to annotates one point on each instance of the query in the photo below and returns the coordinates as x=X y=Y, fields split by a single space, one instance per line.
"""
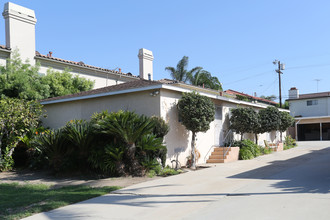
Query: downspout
x=296 y=129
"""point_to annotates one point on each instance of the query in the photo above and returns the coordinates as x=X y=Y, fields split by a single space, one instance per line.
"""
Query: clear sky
x=234 y=40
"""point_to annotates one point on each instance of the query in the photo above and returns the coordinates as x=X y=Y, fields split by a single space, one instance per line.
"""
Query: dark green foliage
x=248 y=149
x=21 y=80
x=17 y=118
x=286 y=121
x=112 y=144
x=64 y=83
x=243 y=98
x=244 y=120
x=53 y=145
x=269 y=119
x=289 y=142
x=196 y=113
x=161 y=128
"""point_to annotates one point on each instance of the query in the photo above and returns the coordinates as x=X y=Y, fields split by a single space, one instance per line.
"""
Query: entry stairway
x=218 y=155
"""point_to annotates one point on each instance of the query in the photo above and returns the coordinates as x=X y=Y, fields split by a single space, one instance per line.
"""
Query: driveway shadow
x=309 y=173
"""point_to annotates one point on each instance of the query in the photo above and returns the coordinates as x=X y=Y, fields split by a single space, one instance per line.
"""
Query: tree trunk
x=256 y=135
x=193 y=154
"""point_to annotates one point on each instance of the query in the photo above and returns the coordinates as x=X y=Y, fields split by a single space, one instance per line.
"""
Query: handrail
x=230 y=131
x=208 y=152
x=230 y=143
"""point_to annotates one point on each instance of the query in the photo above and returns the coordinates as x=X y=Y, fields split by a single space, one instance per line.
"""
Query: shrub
x=17 y=118
x=289 y=142
x=248 y=149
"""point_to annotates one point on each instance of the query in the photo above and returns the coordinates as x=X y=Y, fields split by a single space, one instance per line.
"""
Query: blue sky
x=234 y=40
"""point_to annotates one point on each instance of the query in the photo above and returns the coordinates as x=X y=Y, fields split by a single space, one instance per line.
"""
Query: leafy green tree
x=204 y=78
x=196 y=113
x=17 y=118
x=64 y=83
x=286 y=121
x=245 y=120
x=181 y=73
x=269 y=119
x=22 y=80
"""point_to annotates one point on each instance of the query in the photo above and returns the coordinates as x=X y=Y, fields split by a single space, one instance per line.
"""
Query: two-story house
x=312 y=114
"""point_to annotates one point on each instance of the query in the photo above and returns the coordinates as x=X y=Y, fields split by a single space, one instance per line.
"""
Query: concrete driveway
x=292 y=184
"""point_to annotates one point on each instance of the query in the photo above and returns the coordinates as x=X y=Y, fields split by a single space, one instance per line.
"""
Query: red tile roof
x=4 y=47
x=82 y=64
x=233 y=92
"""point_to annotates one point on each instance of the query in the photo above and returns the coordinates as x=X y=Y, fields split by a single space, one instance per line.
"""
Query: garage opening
x=309 y=132
x=325 y=131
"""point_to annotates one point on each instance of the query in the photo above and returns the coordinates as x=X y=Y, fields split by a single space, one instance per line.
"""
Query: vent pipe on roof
x=146 y=67
x=293 y=93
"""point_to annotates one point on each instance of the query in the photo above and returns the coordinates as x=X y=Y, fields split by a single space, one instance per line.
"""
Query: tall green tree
x=181 y=73
x=245 y=120
x=269 y=119
x=196 y=113
x=286 y=121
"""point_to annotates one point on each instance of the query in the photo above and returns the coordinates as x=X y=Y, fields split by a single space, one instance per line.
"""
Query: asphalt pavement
x=293 y=184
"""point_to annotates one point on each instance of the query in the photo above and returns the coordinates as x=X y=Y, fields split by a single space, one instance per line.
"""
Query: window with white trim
x=312 y=102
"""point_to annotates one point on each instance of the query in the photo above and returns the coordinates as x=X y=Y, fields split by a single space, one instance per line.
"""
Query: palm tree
x=181 y=73
x=204 y=78
x=129 y=127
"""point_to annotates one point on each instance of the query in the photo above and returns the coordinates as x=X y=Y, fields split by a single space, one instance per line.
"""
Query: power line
x=247 y=78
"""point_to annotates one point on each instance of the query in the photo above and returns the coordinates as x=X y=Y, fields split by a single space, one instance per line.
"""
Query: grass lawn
x=18 y=201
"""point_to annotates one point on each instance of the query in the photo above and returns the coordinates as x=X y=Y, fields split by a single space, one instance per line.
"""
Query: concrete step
x=217 y=156
x=215 y=161
x=221 y=149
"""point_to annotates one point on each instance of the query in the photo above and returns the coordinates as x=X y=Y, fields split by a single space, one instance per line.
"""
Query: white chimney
x=20 y=30
x=146 y=69
x=293 y=93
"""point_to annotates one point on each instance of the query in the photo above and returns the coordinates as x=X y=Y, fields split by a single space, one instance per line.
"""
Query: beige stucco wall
x=300 y=107
x=140 y=102
x=3 y=58
x=178 y=140
x=100 y=78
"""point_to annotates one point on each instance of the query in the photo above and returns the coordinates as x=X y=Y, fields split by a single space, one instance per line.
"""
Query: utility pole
x=317 y=84
x=281 y=66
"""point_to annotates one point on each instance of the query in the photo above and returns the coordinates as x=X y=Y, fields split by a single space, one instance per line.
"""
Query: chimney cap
x=293 y=88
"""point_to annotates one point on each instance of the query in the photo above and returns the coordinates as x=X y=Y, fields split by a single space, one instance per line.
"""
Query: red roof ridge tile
x=82 y=64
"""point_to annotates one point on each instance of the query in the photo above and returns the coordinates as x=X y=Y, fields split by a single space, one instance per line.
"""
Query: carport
x=312 y=128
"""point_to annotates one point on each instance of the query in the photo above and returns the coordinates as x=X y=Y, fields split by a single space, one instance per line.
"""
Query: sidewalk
x=188 y=194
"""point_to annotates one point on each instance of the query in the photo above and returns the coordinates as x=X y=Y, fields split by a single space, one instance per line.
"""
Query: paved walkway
x=292 y=184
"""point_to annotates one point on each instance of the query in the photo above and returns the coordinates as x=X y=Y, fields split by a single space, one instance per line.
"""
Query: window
x=312 y=102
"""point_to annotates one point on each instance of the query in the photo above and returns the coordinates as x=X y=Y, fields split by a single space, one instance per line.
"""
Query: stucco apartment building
x=115 y=91
x=312 y=115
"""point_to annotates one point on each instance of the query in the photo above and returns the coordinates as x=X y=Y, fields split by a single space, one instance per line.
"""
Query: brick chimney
x=293 y=93
x=146 y=67
x=20 y=30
